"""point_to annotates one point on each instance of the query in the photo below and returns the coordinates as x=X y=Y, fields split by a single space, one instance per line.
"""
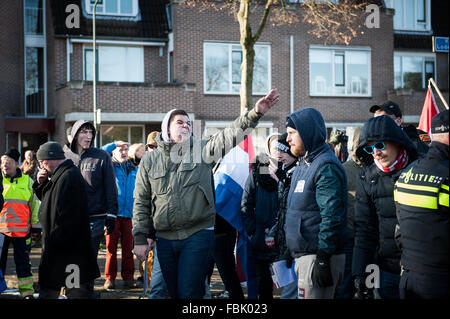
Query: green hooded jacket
x=174 y=191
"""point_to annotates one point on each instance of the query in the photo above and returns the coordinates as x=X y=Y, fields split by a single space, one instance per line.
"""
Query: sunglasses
x=369 y=149
x=151 y=147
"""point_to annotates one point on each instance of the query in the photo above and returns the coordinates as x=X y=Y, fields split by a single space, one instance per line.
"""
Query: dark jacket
x=413 y=135
x=259 y=208
x=424 y=223
x=316 y=217
x=66 y=235
x=284 y=175
x=97 y=170
x=375 y=217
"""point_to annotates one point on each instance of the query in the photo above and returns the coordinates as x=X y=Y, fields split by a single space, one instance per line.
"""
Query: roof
x=150 y=23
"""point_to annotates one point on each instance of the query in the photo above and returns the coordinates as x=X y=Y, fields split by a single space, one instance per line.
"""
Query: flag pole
x=438 y=92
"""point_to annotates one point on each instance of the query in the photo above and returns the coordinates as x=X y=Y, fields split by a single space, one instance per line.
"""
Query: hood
x=310 y=125
x=165 y=126
x=267 y=142
x=383 y=128
x=75 y=128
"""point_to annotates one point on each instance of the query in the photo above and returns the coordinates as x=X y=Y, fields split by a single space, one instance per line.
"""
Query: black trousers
x=263 y=279
x=226 y=263
x=415 y=285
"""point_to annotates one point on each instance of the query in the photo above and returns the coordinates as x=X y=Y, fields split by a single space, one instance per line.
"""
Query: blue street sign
x=441 y=44
x=99 y=2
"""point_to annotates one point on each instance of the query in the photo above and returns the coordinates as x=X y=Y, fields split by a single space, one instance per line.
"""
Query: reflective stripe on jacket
x=421 y=195
x=20 y=208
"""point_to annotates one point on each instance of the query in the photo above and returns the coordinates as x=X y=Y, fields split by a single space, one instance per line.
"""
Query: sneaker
x=109 y=284
x=129 y=283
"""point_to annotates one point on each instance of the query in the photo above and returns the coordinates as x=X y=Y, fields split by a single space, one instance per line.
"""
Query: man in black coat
x=385 y=151
x=67 y=258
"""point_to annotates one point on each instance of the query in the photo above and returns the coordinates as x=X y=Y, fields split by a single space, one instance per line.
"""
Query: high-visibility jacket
x=422 y=197
x=21 y=206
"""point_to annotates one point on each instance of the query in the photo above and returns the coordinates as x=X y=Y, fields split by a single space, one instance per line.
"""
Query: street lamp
x=94 y=79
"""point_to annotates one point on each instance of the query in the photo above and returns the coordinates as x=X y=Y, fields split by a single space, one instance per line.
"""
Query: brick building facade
x=154 y=57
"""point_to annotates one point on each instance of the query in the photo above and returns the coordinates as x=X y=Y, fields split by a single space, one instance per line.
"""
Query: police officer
x=421 y=195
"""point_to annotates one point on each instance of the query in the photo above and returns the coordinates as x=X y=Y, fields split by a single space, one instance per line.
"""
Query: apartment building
x=157 y=55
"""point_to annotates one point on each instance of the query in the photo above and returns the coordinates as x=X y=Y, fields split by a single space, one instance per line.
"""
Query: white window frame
x=427 y=22
x=101 y=9
x=90 y=47
x=230 y=70
x=425 y=57
x=339 y=50
x=101 y=127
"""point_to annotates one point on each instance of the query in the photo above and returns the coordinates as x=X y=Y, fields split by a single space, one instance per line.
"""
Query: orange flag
x=429 y=110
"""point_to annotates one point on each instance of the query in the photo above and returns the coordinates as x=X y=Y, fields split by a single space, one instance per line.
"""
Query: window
x=34 y=81
x=131 y=134
x=33 y=17
x=337 y=72
x=412 y=71
x=115 y=63
x=222 y=68
x=411 y=15
x=127 y=8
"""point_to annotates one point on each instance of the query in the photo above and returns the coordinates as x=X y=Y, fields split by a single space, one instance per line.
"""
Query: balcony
x=34 y=102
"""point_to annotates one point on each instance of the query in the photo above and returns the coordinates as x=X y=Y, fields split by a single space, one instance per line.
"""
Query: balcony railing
x=35 y=102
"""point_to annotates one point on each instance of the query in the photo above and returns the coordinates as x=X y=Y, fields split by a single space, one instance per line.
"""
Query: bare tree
x=336 y=23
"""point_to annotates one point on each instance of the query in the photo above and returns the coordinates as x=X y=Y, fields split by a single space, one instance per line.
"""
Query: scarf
x=397 y=165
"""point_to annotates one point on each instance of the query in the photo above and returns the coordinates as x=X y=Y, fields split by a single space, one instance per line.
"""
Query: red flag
x=428 y=112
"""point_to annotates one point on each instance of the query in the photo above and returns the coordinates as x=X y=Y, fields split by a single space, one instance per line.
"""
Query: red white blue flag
x=229 y=181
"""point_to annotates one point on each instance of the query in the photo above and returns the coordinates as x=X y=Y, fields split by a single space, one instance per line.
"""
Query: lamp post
x=94 y=77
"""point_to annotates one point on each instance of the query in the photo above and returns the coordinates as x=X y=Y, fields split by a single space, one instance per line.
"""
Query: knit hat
x=290 y=123
x=50 y=151
x=14 y=154
x=284 y=146
x=439 y=123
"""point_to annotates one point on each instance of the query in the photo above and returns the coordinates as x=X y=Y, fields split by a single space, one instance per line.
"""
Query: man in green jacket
x=174 y=197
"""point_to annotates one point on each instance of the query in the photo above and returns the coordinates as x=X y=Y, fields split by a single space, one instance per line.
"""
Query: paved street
x=120 y=292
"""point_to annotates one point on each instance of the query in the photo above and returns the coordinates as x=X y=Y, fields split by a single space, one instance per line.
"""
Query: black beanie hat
x=290 y=123
x=283 y=145
x=14 y=154
x=50 y=151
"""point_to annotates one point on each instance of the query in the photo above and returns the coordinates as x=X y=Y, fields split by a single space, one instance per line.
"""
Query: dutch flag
x=229 y=182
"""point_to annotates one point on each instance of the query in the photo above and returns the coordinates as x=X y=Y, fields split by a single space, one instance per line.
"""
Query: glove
x=289 y=262
x=321 y=273
x=362 y=292
x=110 y=223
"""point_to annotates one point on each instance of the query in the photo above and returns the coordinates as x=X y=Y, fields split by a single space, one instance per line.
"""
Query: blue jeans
x=97 y=225
x=389 y=285
x=158 y=287
x=97 y=232
x=185 y=264
x=290 y=291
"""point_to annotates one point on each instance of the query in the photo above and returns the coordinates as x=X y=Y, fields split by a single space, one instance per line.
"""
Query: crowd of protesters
x=329 y=217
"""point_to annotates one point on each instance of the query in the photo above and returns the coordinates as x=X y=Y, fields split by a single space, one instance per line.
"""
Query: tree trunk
x=248 y=56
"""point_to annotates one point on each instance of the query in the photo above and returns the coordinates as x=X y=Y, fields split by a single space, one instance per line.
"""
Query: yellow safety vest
x=15 y=216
